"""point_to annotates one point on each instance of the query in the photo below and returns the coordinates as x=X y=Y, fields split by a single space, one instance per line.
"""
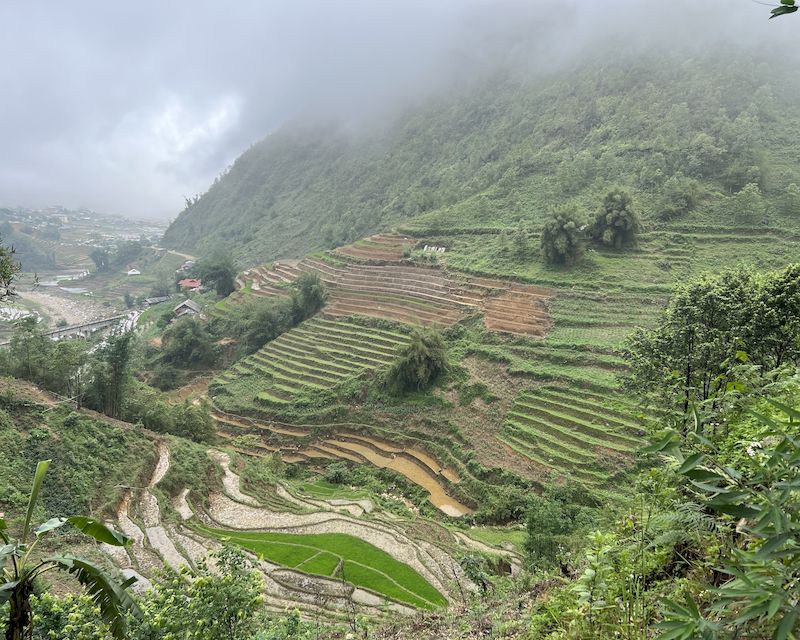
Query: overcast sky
x=125 y=107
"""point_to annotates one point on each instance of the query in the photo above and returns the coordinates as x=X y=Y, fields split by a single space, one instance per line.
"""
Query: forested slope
x=682 y=134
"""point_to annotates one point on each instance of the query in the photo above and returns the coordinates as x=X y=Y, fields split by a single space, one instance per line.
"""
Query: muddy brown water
x=416 y=465
x=411 y=470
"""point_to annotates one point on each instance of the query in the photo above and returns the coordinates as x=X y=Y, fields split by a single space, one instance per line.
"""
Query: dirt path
x=230 y=481
x=157 y=535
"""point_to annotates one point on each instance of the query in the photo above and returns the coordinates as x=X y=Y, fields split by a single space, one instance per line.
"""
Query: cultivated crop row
x=316 y=355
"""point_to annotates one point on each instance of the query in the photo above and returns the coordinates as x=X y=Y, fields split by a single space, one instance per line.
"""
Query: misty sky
x=125 y=107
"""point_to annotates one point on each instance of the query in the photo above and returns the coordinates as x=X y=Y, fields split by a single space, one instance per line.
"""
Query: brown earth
x=480 y=422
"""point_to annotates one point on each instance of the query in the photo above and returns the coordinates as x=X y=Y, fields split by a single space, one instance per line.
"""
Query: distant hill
x=680 y=133
x=30 y=252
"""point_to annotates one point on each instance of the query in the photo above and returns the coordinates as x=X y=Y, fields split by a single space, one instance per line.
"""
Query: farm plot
x=413 y=463
x=413 y=295
x=579 y=433
x=316 y=355
x=339 y=556
x=378 y=247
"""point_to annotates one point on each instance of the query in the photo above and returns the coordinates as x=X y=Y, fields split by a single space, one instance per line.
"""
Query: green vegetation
x=340 y=556
x=315 y=356
x=562 y=237
x=58 y=366
x=256 y=321
x=712 y=325
x=21 y=568
x=111 y=457
x=153 y=410
x=218 y=604
x=419 y=363
x=186 y=343
x=218 y=272
x=9 y=268
x=518 y=410
x=679 y=138
x=617 y=223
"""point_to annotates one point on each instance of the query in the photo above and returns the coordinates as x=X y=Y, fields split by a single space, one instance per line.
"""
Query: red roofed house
x=189 y=283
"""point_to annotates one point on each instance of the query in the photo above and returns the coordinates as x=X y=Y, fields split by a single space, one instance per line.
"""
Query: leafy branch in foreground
x=760 y=500
x=20 y=567
x=786 y=7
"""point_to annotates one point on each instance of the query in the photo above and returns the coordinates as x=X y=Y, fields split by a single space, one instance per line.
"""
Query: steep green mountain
x=676 y=131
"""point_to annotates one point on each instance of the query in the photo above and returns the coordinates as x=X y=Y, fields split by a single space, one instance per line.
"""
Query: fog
x=128 y=107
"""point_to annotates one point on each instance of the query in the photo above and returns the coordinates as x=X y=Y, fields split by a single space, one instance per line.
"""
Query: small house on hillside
x=149 y=302
x=190 y=283
x=134 y=272
x=187 y=308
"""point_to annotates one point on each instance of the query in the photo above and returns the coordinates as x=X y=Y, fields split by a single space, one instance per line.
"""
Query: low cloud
x=129 y=107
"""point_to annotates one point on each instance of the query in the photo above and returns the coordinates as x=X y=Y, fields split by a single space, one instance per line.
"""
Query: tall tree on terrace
x=617 y=222
x=562 y=236
x=21 y=565
x=9 y=270
x=111 y=372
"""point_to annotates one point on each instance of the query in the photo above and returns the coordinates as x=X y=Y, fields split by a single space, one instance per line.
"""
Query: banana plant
x=20 y=566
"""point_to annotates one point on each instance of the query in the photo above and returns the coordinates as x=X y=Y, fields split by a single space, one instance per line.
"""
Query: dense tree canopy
x=187 y=343
x=420 y=363
x=218 y=272
x=562 y=237
x=617 y=222
x=712 y=324
x=257 y=321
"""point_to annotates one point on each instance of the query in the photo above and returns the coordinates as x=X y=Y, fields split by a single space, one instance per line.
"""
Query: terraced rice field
x=598 y=319
x=339 y=556
x=402 y=292
x=413 y=463
x=516 y=308
x=578 y=433
x=378 y=247
x=316 y=355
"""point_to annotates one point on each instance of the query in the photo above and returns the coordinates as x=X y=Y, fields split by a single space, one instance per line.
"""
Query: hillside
x=680 y=133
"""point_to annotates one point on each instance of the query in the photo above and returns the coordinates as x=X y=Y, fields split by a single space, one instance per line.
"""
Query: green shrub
x=419 y=363
x=617 y=222
x=562 y=240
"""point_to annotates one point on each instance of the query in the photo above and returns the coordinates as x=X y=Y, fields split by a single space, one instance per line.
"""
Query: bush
x=679 y=196
x=562 y=237
x=257 y=322
x=617 y=222
x=420 y=363
x=189 y=345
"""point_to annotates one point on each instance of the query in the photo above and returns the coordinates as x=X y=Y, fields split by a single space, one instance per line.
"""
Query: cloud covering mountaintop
x=128 y=107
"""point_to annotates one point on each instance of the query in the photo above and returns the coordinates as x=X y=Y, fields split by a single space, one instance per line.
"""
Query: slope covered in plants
x=678 y=132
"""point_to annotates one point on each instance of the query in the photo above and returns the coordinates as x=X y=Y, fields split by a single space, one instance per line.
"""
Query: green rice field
x=339 y=556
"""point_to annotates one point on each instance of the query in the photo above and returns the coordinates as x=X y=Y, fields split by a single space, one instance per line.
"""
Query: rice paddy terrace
x=360 y=282
x=559 y=337
x=298 y=443
x=375 y=279
x=312 y=554
x=316 y=355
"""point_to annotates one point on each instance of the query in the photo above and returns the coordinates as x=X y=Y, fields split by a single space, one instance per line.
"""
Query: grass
x=323 y=489
x=339 y=556
x=498 y=536
x=316 y=355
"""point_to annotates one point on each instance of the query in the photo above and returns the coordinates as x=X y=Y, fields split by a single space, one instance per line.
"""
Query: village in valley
x=84 y=272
